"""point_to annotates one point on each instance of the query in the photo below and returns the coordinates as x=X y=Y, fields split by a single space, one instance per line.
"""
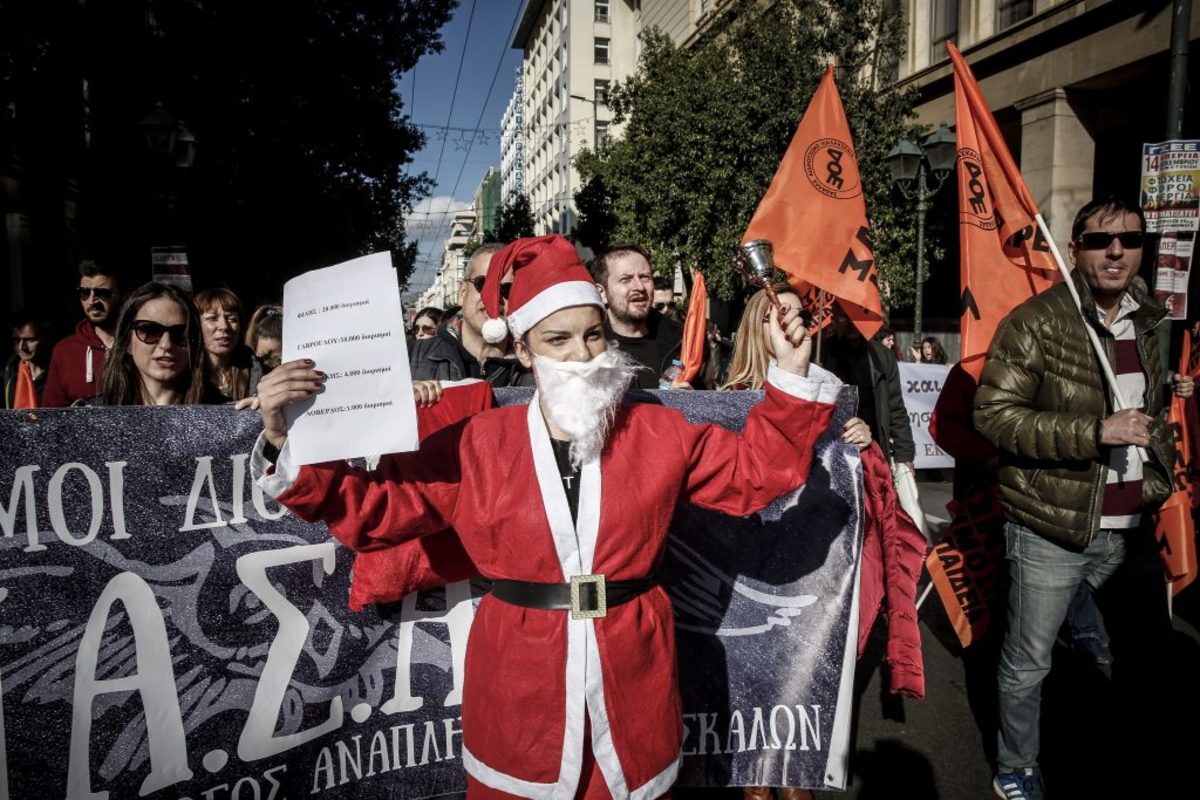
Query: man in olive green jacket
x=1075 y=489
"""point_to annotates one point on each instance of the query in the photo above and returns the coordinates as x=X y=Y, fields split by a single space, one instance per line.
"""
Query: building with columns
x=1077 y=86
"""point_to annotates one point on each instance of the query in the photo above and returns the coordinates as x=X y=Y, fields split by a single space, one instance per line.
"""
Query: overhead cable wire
x=487 y=97
x=454 y=94
x=412 y=104
x=453 y=98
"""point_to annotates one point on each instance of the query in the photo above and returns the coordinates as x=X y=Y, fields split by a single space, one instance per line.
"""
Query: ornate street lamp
x=912 y=167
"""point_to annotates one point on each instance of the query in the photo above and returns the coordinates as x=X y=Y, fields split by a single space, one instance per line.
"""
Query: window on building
x=601 y=50
x=1010 y=12
x=943 y=17
x=600 y=91
x=601 y=10
x=601 y=132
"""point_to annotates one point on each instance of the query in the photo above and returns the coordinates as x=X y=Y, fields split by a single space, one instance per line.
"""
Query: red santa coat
x=534 y=677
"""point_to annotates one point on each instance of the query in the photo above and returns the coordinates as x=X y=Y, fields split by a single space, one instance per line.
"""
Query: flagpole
x=820 y=323
x=1117 y=401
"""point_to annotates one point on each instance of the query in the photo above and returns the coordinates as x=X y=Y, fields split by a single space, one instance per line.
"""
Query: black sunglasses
x=660 y=306
x=85 y=293
x=479 y=280
x=151 y=332
x=1102 y=240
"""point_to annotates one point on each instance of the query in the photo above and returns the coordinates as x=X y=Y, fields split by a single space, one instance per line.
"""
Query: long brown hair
x=240 y=357
x=121 y=383
x=750 y=357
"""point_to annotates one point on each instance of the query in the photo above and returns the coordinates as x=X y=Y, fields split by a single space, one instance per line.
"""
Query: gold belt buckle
x=601 y=609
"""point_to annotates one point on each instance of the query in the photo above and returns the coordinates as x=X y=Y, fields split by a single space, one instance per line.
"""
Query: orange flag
x=695 y=331
x=24 y=395
x=814 y=215
x=1175 y=528
x=963 y=564
x=816 y=303
x=1004 y=258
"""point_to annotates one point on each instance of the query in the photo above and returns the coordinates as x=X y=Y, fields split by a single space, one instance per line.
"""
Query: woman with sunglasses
x=426 y=322
x=264 y=335
x=156 y=358
x=230 y=366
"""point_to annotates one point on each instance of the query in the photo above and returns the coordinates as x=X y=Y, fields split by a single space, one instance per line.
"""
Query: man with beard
x=24 y=376
x=78 y=360
x=565 y=505
x=626 y=283
x=447 y=357
x=664 y=298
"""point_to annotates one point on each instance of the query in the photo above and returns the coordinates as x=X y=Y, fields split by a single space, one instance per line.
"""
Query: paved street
x=940 y=749
x=937 y=748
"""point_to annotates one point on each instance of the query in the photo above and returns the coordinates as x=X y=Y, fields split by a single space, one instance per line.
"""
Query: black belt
x=586 y=596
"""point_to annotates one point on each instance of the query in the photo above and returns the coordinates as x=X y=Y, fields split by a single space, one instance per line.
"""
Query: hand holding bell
x=755 y=261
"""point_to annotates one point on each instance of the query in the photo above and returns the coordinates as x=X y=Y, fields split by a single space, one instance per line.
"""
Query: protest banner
x=168 y=631
x=1170 y=199
x=921 y=385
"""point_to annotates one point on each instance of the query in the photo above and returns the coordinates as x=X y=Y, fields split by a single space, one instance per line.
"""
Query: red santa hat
x=547 y=277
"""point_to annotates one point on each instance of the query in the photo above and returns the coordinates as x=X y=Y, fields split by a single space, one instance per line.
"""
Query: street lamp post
x=912 y=167
x=172 y=146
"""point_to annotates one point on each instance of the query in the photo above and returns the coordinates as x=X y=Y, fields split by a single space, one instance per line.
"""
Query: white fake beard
x=581 y=397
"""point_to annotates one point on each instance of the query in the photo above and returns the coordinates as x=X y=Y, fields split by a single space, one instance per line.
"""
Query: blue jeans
x=1044 y=580
x=1083 y=620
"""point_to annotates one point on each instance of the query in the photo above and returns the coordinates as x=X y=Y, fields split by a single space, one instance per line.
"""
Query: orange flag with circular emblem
x=1004 y=260
x=815 y=216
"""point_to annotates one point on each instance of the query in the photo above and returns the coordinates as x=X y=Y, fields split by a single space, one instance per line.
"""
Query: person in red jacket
x=78 y=360
x=570 y=687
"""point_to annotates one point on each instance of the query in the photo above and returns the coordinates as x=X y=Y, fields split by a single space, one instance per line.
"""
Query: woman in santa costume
x=570 y=687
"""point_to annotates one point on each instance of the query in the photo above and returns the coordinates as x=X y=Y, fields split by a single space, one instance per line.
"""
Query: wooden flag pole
x=1117 y=401
x=820 y=324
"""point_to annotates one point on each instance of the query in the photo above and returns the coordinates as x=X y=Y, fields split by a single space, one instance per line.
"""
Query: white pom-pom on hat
x=495 y=330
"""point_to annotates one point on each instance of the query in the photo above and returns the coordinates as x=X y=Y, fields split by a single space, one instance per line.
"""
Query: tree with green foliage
x=706 y=127
x=597 y=218
x=302 y=142
x=514 y=220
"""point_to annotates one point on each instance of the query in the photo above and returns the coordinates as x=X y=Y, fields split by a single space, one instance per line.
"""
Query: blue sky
x=463 y=139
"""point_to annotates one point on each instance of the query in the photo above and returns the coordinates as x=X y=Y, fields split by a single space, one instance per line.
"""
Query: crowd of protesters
x=1077 y=479
x=236 y=349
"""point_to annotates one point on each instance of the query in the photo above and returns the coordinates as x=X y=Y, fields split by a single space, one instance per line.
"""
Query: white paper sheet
x=347 y=319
